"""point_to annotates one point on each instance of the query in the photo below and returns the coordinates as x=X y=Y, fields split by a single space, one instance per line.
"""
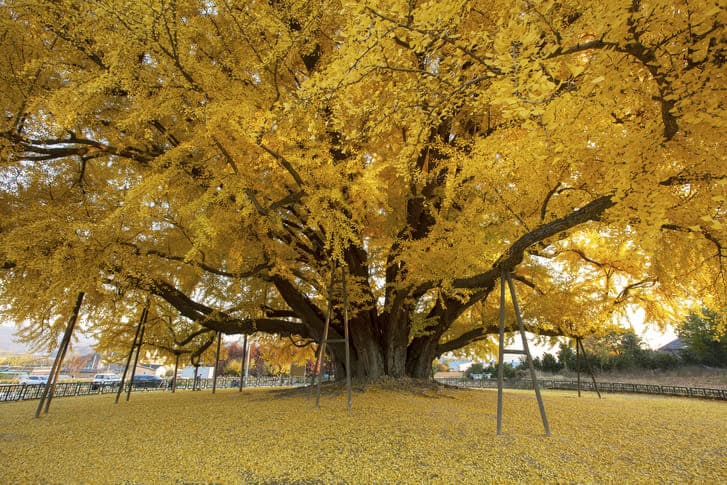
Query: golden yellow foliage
x=219 y=155
x=395 y=435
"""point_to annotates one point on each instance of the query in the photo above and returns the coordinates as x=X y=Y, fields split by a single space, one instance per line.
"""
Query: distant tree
x=476 y=368
x=438 y=366
x=550 y=363
x=232 y=368
x=257 y=364
x=631 y=351
x=622 y=351
x=508 y=370
x=76 y=362
x=233 y=364
x=566 y=357
x=235 y=351
x=705 y=334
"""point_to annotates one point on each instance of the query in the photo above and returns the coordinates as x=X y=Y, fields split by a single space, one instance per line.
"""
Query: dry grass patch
x=403 y=434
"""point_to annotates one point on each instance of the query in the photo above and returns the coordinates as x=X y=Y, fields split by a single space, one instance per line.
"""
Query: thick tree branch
x=255 y=271
x=220 y=321
x=515 y=253
x=447 y=310
x=56 y=148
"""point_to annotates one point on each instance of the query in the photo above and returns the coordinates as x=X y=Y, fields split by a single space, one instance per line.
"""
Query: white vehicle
x=33 y=380
x=106 y=379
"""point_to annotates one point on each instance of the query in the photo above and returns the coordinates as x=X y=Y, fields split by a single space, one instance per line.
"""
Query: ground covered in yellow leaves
x=395 y=435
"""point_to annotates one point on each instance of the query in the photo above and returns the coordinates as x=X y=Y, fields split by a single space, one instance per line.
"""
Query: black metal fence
x=21 y=392
x=619 y=387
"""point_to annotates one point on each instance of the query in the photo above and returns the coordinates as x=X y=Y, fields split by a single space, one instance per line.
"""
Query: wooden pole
x=500 y=355
x=49 y=388
x=322 y=349
x=138 y=351
x=64 y=350
x=590 y=370
x=217 y=362
x=174 y=377
x=346 y=337
x=53 y=376
x=534 y=377
x=243 y=363
x=247 y=360
x=578 y=363
x=131 y=353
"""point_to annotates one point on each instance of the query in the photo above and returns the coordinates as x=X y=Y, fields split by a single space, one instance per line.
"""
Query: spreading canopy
x=221 y=158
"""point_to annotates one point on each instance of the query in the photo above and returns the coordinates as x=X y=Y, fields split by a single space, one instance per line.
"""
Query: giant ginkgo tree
x=225 y=157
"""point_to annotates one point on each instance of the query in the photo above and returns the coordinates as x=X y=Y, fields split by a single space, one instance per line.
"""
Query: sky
x=8 y=344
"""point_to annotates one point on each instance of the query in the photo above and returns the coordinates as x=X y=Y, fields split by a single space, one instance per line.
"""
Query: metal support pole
x=138 y=351
x=217 y=362
x=243 y=363
x=534 y=378
x=131 y=353
x=346 y=337
x=49 y=388
x=501 y=355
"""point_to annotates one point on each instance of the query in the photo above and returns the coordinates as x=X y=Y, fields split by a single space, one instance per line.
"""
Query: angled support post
x=500 y=355
x=217 y=362
x=243 y=363
x=174 y=377
x=246 y=367
x=579 y=341
x=324 y=338
x=578 y=365
x=138 y=351
x=346 y=339
x=50 y=384
x=506 y=278
x=142 y=319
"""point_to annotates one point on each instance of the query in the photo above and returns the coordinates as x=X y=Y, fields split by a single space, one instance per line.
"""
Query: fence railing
x=22 y=392
x=620 y=387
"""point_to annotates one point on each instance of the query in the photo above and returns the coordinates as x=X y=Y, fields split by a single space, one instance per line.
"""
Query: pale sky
x=8 y=344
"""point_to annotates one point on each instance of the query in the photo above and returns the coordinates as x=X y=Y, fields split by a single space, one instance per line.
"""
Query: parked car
x=147 y=381
x=30 y=380
x=105 y=380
